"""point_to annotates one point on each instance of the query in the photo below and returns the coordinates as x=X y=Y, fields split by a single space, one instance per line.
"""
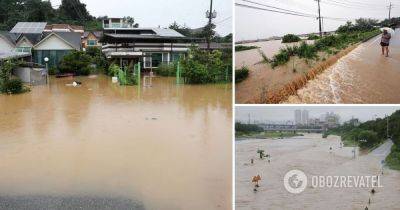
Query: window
x=176 y=56
x=165 y=58
x=91 y=42
x=156 y=59
x=153 y=60
x=23 y=49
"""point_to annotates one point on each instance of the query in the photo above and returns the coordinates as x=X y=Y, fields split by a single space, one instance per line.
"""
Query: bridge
x=291 y=128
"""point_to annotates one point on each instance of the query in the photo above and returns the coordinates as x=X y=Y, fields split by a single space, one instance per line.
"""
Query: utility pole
x=319 y=18
x=210 y=15
x=387 y=126
x=390 y=10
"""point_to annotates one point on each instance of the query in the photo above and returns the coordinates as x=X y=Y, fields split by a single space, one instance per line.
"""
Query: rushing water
x=164 y=146
x=312 y=155
x=363 y=76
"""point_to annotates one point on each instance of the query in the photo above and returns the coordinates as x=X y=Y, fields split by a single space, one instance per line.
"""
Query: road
x=383 y=150
x=362 y=76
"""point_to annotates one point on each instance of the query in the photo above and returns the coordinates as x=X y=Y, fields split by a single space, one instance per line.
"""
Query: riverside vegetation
x=201 y=67
x=252 y=131
x=314 y=58
x=371 y=134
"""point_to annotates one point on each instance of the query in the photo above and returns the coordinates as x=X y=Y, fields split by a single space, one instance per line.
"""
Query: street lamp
x=46 y=60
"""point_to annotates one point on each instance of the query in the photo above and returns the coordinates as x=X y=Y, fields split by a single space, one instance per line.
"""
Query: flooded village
x=104 y=113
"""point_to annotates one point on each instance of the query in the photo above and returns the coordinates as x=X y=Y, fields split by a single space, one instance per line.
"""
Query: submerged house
x=55 y=46
x=91 y=39
x=124 y=44
x=39 y=40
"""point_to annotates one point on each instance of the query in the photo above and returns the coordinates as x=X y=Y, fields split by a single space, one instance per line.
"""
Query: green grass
x=266 y=135
x=289 y=38
x=331 y=45
x=241 y=74
x=239 y=48
x=393 y=160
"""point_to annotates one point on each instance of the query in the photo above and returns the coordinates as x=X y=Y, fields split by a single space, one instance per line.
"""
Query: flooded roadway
x=163 y=147
x=310 y=154
x=363 y=76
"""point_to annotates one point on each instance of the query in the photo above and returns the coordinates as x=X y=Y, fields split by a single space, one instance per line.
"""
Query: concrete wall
x=33 y=76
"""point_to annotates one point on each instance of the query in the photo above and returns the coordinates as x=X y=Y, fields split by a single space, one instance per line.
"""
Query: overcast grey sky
x=253 y=24
x=286 y=113
x=154 y=13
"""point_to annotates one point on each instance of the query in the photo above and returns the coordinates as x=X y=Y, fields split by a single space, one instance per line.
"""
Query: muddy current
x=164 y=146
x=362 y=76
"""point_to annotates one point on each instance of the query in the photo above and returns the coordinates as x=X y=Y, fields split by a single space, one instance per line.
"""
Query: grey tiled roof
x=9 y=36
x=73 y=38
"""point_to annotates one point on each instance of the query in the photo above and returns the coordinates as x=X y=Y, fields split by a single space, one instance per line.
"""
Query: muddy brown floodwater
x=311 y=154
x=362 y=76
x=164 y=147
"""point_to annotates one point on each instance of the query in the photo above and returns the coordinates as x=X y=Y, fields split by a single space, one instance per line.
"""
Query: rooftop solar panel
x=28 y=28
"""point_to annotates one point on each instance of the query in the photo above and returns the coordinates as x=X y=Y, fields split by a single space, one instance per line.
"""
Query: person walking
x=385 y=41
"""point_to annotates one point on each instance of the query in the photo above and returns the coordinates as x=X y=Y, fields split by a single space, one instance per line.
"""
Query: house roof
x=28 y=28
x=33 y=38
x=12 y=38
x=9 y=55
x=71 y=38
x=167 y=32
x=97 y=34
x=51 y=27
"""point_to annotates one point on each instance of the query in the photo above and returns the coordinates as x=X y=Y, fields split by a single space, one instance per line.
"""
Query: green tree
x=76 y=62
x=73 y=10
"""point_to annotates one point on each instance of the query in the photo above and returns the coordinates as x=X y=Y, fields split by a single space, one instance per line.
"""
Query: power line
x=276 y=11
x=273 y=7
x=289 y=13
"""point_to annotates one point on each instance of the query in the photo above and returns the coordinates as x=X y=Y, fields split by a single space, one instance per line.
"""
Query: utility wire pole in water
x=319 y=18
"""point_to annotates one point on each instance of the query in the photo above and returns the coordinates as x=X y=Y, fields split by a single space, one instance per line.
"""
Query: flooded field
x=262 y=78
x=310 y=154
x=165 y=146
x=363 y=76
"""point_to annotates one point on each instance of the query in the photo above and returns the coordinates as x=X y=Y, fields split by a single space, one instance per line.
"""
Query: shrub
x=307 y=51
x=367 y=139
x=196 y=73
x=313 y=37
x=288 y=38
x=166 y=70
x=239 y=48
x=113 y=70
x=241 y=74
x=53 y=70
x=281 y=58
x=201 y=67
x=13 y=86
x=76 y=62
